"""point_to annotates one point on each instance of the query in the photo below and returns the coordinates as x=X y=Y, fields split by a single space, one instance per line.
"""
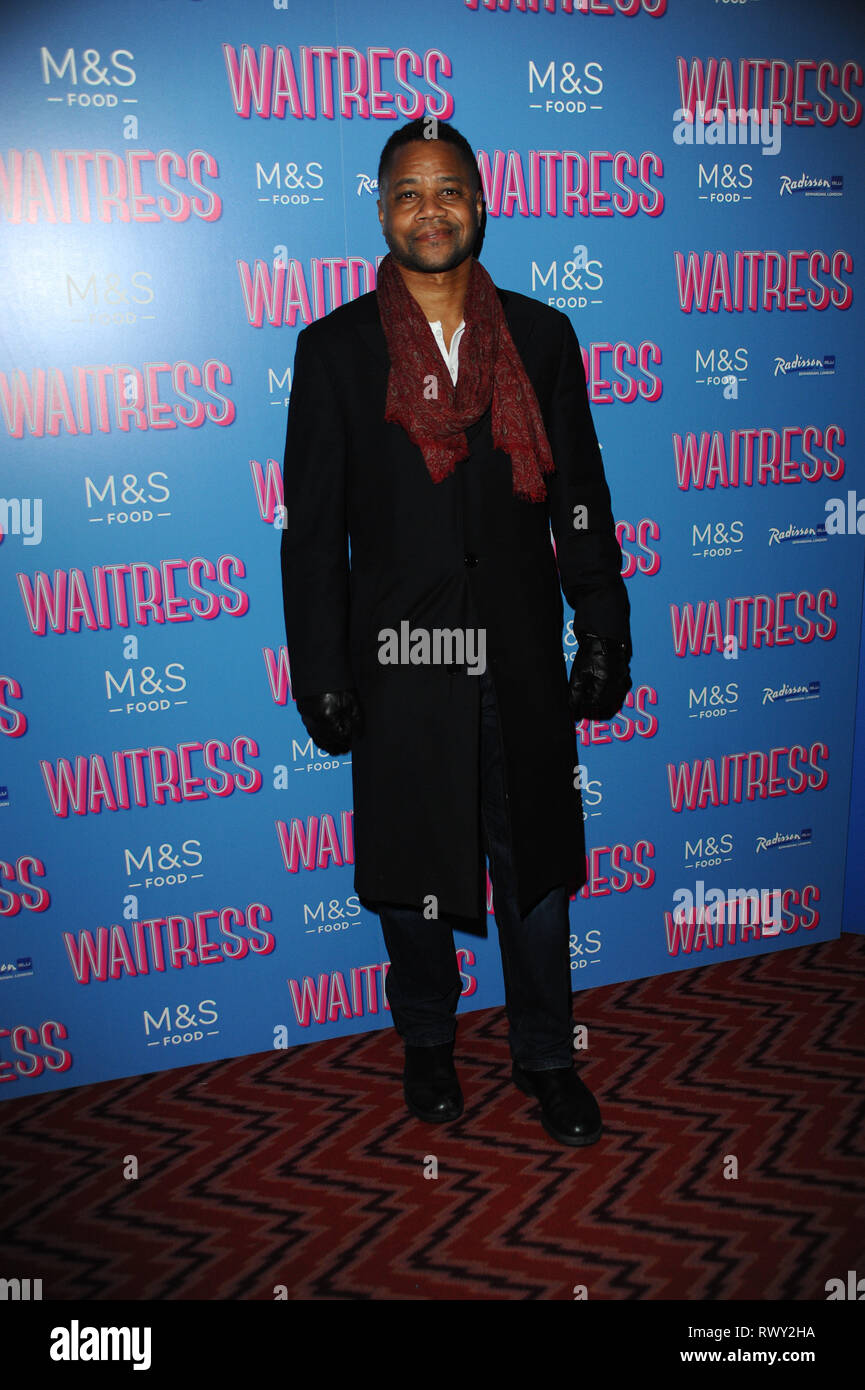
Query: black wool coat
x=370 y=542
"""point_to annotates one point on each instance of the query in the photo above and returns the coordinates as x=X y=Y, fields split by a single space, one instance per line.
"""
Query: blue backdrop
x=183 y=187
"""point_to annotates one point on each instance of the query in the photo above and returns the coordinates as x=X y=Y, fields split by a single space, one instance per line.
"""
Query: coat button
x=470 y=561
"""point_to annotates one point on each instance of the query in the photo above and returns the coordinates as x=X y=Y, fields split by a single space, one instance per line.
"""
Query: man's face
x=428 y=210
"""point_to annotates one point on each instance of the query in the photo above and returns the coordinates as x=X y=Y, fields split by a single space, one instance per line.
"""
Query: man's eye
x=409 y=193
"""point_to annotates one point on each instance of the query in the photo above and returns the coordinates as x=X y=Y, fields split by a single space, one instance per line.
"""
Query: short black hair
x=428 y=128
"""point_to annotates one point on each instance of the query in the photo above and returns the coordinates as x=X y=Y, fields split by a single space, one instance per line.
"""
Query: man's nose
x=428 y=205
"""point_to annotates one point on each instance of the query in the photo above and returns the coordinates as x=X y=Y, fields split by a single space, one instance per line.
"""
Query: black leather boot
x=569 y=1111
x=430 y=1085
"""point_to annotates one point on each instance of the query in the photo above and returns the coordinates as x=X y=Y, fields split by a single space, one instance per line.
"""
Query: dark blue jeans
x=423 y=984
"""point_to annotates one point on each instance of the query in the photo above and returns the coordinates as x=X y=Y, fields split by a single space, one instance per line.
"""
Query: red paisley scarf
x=489 y=367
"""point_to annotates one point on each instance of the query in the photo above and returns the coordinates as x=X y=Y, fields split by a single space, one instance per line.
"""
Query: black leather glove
x=331 y=718
x=600 y=677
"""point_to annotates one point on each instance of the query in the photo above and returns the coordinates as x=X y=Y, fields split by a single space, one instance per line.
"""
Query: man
x=440 y=426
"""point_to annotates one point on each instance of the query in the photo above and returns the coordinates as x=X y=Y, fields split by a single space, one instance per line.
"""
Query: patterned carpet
x=302 y=1169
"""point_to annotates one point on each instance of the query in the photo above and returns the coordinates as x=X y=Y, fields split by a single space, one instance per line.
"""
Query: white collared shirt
x=452 y=357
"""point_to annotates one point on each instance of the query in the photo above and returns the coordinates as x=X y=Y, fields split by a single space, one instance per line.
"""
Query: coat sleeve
x=314 y=551
x=587 y=551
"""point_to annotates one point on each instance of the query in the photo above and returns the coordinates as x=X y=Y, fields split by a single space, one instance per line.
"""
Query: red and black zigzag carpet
x=302 y=1169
